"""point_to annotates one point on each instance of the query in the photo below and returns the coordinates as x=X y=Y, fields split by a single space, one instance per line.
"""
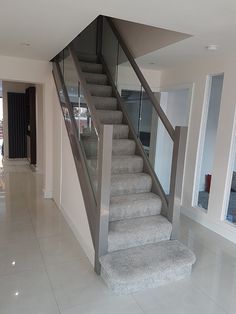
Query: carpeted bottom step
x=148 y=266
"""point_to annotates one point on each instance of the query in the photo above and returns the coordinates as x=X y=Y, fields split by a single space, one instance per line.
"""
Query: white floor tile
x=115 y=305
x=14 y=258
x=182 y=297
x=218 y=282
x=75 y=283
x=60 y=249
x=26 y=293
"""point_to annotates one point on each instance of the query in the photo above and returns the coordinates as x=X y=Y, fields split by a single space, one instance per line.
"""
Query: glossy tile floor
x=44 y=270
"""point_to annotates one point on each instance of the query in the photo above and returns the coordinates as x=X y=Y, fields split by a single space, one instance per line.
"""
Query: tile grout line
x=132 y=296
x=208 y=296
x=44 y=263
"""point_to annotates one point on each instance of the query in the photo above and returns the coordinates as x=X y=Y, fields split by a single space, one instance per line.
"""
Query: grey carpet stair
x=110 y=116
x=147 y=266
x=134 y=205
x=100 y=90
x=140 y=253
x=120 y=131
x=119 y=146
x=106 y=103
x=87 y=57
x=120 y=164
x=91 y=67
x=130 y=183
x=124 y=234
x=96 y=78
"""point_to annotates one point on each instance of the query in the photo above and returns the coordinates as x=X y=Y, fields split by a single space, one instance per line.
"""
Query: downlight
x=212 y=47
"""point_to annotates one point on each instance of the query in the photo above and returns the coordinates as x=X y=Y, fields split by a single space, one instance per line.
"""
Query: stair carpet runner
x=140 y=252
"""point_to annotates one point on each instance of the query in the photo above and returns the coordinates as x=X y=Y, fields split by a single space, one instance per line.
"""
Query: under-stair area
x=133 y=223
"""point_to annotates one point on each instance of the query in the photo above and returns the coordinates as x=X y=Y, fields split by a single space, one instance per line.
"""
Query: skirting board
x=89 y=252
x=223 y=228
x=47 y=194
x=15 y=162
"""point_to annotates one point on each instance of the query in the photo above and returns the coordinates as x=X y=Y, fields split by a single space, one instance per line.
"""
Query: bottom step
x=148 y=266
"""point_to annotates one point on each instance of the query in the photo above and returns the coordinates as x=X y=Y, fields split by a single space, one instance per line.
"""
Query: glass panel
x=86 y=133
x=209 y=140
x=161 y=151
x=148 y=127
x=110 y=49
x=85 y=43
x=132 y=101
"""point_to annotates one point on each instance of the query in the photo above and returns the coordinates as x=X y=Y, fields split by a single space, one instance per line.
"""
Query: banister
x=143 y=81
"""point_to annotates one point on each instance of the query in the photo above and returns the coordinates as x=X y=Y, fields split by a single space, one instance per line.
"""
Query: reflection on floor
x=43 y=269
x=203 y=198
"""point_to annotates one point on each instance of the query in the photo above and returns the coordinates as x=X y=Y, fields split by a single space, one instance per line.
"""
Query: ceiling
x=49 y=25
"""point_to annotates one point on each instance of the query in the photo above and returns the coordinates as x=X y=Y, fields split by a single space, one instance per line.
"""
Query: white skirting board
x=89 y=251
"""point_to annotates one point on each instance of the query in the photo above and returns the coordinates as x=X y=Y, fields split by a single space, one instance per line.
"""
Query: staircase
x=140 y=253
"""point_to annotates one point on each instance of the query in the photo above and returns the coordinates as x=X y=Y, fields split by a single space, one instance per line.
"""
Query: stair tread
x=138 y=231
x=130 y=183
x=134 y=205
x=110 y=116
x=146 y=266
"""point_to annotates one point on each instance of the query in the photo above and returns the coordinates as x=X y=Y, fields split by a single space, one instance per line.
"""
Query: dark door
x=17 y=125
x=31 y=122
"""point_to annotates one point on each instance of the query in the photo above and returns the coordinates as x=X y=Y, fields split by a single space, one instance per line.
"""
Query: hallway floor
x=43 y=270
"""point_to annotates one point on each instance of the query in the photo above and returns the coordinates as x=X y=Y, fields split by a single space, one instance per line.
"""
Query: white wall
x=127 y=78
x=196 y=73
x=66 y=187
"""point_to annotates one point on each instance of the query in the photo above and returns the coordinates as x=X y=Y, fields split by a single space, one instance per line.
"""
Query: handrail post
x=104 y=188
x=176 y=182
x=99 y=34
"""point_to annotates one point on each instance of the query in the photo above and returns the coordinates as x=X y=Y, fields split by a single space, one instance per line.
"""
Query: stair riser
x=118 y=148
x=130 y=186
x=155 y=281
x=120 y=131
x=118 y=243
x=120 y=167
x=110 y=117
x=91 y=67
x=134 y=210
x=100 y=90
x=98 y=79
x=130 y=233
x=87 y=57
x=105 y=103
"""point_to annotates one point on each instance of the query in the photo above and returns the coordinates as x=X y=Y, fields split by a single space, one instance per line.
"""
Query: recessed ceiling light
x=212 y=47
x=16 y=293
x=25 y=44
